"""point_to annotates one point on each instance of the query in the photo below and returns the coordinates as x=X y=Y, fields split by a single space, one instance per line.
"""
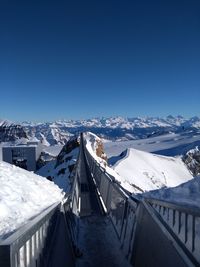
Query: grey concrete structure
x=23 y=155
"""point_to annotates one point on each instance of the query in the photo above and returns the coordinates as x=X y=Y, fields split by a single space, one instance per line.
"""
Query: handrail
x=179 y=207
x=183 y=222
x=121 y=206
x=24 y=247
x=112 y=178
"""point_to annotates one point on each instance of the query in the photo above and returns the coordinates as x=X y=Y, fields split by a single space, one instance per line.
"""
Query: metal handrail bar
x=29 y=228
x=170 y=231
x=113 y=180
x=30 y=236
x=179 y=207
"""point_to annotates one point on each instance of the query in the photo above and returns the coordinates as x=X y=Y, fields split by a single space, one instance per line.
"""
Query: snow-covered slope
x=149 y=171
x=187 y=193
x=60 y=169
x=169 y=145
x=23 y=194
x=139 y=171
x=168 y=176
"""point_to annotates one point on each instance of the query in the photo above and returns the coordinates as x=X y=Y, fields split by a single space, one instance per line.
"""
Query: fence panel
x=184 y=222
x=25 y=246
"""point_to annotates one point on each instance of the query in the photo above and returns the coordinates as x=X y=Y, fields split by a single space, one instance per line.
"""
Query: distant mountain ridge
x=126 y=123
x=113 y=128
x=11 y=132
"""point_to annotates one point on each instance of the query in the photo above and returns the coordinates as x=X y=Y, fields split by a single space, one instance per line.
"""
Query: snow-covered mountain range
x=127 y=123
x=11 y=131
x=113 y=128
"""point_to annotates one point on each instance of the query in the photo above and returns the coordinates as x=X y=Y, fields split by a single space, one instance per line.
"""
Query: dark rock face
x=52 y=133
x=192 y=160
x=11 y=133
x=60 y=169
x=71 y=145
x=44 y=159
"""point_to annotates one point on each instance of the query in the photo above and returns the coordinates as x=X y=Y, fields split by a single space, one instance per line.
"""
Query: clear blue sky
x=80 y=59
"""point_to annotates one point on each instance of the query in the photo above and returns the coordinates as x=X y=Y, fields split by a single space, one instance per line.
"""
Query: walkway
x=97 y=238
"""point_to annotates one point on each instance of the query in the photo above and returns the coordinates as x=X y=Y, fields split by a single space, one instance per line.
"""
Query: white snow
x=23 y=195
x=139 y=171
x=150 y=171
x=187 y=193
x=53 y=150
x=91 y=145
x=170 y=144
x=125 y=123
x=60 y=179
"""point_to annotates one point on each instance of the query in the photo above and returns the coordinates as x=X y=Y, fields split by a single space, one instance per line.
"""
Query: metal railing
x=118 y=203
x=27 y=246
x=184 y=222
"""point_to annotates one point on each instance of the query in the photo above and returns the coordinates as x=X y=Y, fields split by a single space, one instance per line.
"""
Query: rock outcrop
x=11 y=132
x=192 y=160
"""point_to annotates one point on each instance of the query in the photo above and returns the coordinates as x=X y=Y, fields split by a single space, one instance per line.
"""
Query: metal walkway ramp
x=99 y=244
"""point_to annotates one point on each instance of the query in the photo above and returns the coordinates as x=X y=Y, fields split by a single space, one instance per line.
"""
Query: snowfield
x=186 y=194
x=23 y=195
x=61 y=180
x=150 y=171
x=140 y=171
x=151 y=175
x=169 y=144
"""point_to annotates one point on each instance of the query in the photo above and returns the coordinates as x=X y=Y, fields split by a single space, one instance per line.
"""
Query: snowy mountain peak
x=114 y=128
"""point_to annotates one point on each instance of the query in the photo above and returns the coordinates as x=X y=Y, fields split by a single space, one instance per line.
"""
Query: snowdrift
x=186 y=194
x=23 y=195
x=150 y=171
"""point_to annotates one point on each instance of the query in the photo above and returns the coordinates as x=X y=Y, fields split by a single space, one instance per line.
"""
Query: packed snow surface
x=23 y=195
x=140 y=171
x=187 y=193
x=150 y=171
x=53 y=150
x=169 y=144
